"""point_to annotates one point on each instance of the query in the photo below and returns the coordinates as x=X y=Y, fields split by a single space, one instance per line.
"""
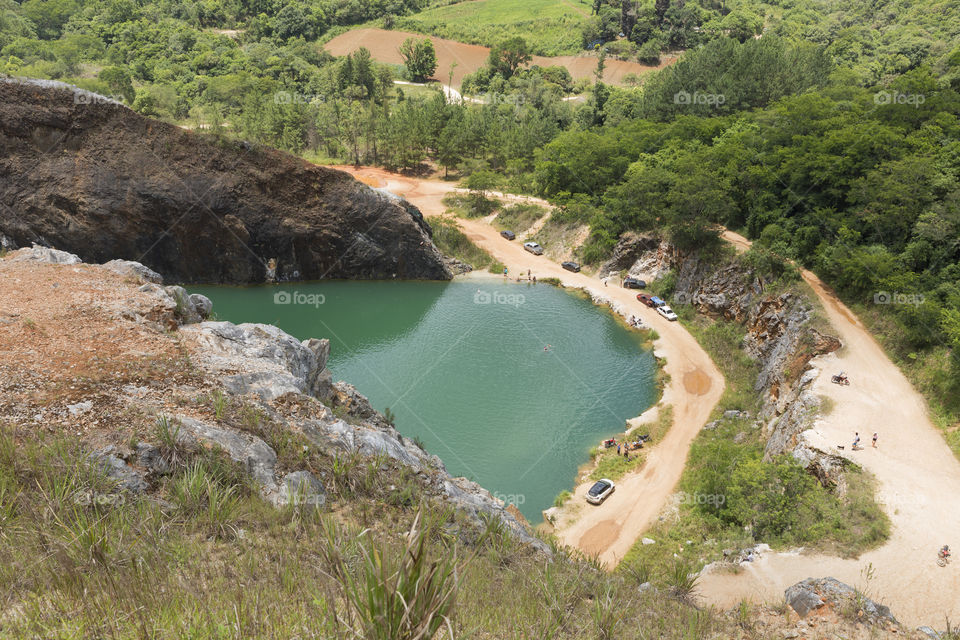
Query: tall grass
x=454 y=243
x=169 y=566
x=405 y=598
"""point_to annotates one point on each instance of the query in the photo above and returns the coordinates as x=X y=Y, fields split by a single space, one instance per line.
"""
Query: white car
x=667 y=312
x=533 y=248
x=600 y=491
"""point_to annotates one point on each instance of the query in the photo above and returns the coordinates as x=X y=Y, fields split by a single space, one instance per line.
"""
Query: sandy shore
x=608 y=530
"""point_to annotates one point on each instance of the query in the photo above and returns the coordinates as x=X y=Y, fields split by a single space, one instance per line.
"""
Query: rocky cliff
x=106 y=352
x=780 y=337
x=92 y=177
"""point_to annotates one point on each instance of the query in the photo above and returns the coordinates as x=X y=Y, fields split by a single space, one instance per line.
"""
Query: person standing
x=856 y=440
x=875 y=436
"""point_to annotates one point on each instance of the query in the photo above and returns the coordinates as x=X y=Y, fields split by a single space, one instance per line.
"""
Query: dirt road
x=384 y=47
x=918 y=478
x=695 y=386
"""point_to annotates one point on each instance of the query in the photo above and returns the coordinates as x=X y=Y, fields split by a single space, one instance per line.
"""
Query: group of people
x=530 y=277
x=856 y=440
x=634 y=321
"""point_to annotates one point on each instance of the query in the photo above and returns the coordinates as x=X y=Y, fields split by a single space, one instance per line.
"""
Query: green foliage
x=419 y=57
x=519 y=217
x=403 y=598
x=454 y=243
x=551 y=28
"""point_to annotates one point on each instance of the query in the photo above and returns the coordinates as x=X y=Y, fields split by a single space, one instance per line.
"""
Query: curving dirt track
x=608 y=530
x=384 y=47
x=917 y=474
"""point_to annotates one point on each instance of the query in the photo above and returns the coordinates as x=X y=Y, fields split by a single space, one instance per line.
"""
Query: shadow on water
x=381 y=312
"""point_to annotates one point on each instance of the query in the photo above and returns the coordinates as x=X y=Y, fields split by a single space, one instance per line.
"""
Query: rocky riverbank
x=133 y=368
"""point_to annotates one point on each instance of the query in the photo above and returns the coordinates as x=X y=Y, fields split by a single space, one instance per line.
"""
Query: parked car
x=600 y=491
x=634 y=283
x=533 y=248
x=509 y=235
x=570 y=266
x=657 y=302
x=645 y=299
x=666 y=312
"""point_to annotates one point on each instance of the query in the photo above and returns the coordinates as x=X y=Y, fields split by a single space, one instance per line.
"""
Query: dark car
x=645 y=299
x=570 y=266
x=509 y=235
x=634 y=283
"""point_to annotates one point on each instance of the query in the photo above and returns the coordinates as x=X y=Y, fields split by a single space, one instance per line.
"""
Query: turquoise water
x=463 y=367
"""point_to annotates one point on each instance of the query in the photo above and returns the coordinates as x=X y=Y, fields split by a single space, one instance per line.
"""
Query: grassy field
x=551 y=27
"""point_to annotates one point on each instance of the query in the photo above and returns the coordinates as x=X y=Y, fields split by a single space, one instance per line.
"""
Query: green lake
x=510 y=384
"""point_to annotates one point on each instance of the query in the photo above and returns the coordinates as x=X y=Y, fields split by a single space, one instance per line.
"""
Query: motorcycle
x=840 y=378
x=943 y=558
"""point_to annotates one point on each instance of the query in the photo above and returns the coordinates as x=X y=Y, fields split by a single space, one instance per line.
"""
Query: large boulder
x=262 y=359
x=98 y=179
x=257 y=457
x=134 y=270
x=811 y=595
x=44 y=254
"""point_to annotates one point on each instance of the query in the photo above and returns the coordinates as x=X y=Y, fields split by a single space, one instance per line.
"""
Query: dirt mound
x=94 y=178
x=384 y=47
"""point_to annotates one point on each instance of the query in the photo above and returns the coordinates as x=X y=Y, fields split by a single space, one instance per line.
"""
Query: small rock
x=202 y=304
x=80 y=407
x=301 y=488
x=135 y=270
x=648 y=541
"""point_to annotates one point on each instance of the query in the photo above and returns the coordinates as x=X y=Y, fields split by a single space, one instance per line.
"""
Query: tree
x=419 y=57
x=660 y=7
x=118 y=80
x=508 y=56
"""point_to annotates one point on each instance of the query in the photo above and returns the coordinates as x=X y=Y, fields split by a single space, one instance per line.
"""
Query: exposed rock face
x=628 y=251
x=96 y=179
x=811 y=595
x=779 y=337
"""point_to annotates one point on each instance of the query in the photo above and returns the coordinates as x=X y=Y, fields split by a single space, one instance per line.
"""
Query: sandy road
x=610 y=529
x=918 y=484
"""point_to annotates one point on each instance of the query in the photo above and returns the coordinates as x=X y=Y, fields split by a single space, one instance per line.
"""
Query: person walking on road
x=875 y=436
x=856 y=440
